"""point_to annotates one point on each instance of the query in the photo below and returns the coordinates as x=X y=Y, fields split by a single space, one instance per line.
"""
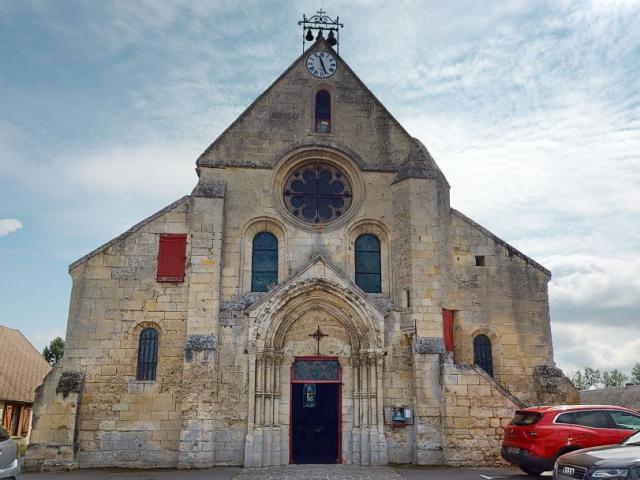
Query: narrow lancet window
x=323 y=112
x=147 y=354
x=264 y=262
x=368 y=265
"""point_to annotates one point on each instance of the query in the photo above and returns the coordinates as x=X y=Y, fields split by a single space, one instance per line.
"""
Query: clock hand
x=322 y=64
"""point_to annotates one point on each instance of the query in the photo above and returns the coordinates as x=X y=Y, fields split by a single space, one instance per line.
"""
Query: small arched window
x=323 y=112
x=147 y=354
x=264 y=262
x=368 y=265
x=482 y=354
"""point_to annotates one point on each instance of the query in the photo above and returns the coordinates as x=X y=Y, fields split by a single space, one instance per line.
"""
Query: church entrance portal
x=315 y=410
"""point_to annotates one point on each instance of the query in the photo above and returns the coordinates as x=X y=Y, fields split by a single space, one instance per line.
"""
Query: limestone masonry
x=315 y=211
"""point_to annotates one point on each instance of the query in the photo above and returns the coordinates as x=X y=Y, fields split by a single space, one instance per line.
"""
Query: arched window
x=368 y=266
x=147 y=354
x=482 y=355
x=323 y=112
x=264 y=262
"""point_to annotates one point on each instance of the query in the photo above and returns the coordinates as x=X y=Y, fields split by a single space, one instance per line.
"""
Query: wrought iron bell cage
x=322 y=23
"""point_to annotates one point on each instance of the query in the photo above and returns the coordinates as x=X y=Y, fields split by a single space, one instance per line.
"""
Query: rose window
x=317 y=193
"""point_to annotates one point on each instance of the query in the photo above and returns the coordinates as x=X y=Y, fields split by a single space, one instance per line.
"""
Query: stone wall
x=505 y=299
x=628 y=397
x=121 y=421
x=283 y=116
x=54 y=436
x=475 y=411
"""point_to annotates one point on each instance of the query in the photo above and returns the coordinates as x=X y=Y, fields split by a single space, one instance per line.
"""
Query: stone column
x=199 y=377
x=420 y=246
x=264 y=440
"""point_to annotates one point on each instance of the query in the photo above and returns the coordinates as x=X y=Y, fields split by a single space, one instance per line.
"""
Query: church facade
x=315 y=299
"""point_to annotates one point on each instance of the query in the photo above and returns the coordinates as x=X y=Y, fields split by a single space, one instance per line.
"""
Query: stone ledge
x=200 y=343
x=215 y=189
x=70 y=382
x=429 y=345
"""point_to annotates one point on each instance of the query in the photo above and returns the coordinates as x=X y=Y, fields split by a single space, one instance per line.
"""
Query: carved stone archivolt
x=279 y=331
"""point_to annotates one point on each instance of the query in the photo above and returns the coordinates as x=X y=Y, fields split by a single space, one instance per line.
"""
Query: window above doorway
x=317 y=193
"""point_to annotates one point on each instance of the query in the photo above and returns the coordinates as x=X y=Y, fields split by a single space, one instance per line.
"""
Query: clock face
x=321 y=64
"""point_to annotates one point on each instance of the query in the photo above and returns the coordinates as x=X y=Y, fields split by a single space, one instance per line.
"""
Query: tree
x=589 y=378
x=53 y=353
x=635 y=374
x=592 y=377
x=578 y=380
x=614 y=378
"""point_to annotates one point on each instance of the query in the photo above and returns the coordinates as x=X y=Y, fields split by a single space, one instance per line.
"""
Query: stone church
x=315 y=299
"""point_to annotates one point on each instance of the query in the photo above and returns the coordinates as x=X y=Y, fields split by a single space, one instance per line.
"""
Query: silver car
x=9 y=467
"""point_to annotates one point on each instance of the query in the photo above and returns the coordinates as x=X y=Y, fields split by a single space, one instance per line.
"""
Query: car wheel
x=531 y=471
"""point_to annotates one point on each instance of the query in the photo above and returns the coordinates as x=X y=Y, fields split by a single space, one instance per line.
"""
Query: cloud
x=9 y=225
x=602 y=347
x=595 y=282
x=595 y=310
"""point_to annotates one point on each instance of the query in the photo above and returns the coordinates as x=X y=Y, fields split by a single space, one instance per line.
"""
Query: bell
x=331 y=40
x=309 y=36
x=319 y=34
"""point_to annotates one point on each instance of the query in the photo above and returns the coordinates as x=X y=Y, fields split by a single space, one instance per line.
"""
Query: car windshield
x=633 y=439
x=3 y=435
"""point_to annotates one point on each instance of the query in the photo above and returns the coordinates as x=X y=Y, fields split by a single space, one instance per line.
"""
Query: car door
x=7 y=449
x=626 y=423
x=595 y=428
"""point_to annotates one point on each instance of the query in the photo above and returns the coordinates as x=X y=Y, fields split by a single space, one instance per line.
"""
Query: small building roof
x=22 y=367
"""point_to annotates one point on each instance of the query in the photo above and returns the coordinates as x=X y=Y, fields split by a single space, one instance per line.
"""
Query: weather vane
x=322 y=23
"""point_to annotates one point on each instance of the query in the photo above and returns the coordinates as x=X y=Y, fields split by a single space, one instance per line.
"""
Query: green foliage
x=614 y=378
x=589 y=378
x=635 y=374
x=53 y=353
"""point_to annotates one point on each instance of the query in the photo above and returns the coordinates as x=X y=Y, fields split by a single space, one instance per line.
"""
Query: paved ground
x=295 y=472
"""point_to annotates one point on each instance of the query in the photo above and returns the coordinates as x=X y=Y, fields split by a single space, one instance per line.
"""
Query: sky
x=530 y=108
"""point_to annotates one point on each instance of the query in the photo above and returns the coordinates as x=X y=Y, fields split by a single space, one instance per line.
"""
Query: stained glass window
x=264 y=262
x=147 y=354
x=368 y=265
x=309 y=395
x=316 y=370
x=482 y=354
x=317 y=193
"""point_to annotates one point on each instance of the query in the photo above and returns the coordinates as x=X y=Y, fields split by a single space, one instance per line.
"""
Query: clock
x=321 y=64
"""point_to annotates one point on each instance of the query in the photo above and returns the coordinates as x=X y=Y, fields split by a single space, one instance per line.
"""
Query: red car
x=538 y=435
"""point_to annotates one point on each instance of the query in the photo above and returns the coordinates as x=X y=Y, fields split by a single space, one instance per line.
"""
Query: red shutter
x=6 y=418
x=447 y=329
x=171 y=257
x=26 y=418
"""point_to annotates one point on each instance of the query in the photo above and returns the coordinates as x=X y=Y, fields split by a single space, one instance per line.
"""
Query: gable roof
x=512 y=250
x=131 y=231
x=394 y=146
x=22 y=367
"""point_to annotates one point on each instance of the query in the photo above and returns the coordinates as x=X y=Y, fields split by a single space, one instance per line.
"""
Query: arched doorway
x=281 y=338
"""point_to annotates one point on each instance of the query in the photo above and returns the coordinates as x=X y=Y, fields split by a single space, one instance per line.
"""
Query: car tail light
x=539 y=433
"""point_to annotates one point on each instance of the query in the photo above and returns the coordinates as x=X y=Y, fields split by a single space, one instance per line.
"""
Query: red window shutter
x=6 y=418
x=171 y=257
x=447 y=329
x=26 y=418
